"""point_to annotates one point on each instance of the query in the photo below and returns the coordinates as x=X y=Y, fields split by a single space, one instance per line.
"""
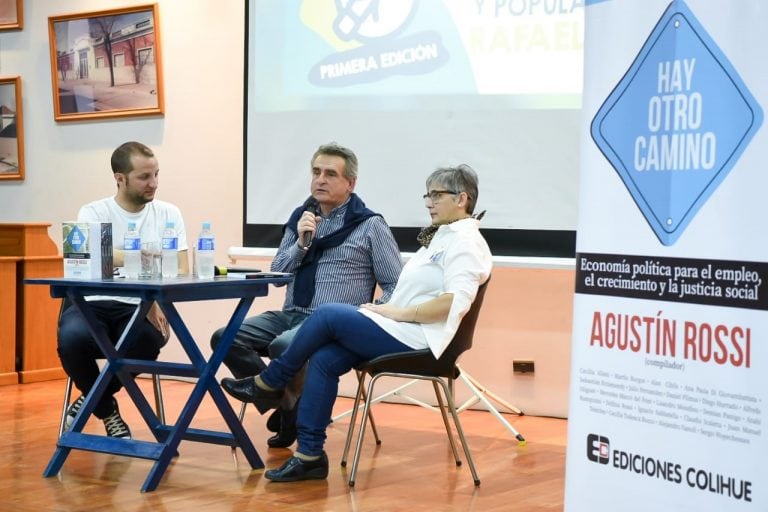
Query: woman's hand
x=431 y=311
x=394 y=312
x=157 y=318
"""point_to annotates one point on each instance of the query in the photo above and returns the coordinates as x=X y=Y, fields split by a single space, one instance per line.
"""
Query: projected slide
x=411 y=85
x=321 y=48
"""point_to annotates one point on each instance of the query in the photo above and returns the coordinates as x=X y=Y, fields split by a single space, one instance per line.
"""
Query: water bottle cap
x=169 y=225
x=206 y=225
x=131 y=225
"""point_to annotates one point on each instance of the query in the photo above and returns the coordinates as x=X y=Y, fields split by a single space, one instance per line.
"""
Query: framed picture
x=106 y=64
x=11 y=14
x=11 y=130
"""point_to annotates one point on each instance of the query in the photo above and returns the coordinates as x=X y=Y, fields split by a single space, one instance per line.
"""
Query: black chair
x=420 y=365
x=159 y=406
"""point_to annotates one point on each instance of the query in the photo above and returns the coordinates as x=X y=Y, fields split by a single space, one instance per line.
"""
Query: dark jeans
x=266 y=334
x=334 y=339
x=78 y=350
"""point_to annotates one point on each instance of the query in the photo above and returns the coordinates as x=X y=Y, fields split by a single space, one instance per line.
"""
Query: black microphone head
x=311 y=205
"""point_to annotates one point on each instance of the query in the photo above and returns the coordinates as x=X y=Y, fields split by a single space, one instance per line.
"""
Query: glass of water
x=151 y=261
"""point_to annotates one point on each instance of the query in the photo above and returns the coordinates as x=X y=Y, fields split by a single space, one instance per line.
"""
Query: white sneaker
x=72 y=411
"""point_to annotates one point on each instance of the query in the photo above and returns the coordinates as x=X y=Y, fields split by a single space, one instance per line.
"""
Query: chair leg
x=460 y=431
x=361 y=433
x=159 y=405
x=65 y=406
x=353 y=418
x=448 y=430
x=449 y=404
x=240 y=417
x=373 y=427
x=373 y=423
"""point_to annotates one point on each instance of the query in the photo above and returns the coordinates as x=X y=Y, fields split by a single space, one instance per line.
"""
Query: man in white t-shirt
x=135 y=170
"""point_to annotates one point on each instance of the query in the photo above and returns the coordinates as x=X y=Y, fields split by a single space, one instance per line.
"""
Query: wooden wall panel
x=8 y=373
x=36 y=313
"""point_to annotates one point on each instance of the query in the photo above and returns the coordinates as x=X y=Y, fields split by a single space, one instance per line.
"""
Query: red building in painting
x=132 y=45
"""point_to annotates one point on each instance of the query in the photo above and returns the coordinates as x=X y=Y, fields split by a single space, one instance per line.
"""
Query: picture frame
x=11 y=130
x=11 y=14
x=106 y=64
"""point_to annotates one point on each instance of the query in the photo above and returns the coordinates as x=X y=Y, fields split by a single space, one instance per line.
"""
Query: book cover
x=87 y=250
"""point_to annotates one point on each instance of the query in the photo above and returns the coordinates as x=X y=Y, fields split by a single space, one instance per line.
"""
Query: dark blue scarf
x=304 y=280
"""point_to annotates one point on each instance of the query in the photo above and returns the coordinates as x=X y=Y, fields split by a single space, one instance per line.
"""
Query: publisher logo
x=598 y=448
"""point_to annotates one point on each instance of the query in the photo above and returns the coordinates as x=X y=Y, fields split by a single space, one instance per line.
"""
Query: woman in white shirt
x=435 y=290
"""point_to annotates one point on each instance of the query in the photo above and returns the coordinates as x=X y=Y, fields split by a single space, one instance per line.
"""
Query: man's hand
x=307 y=224
x=157 y=318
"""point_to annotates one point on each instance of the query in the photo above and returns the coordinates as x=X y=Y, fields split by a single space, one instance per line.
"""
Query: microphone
x=311 y=206
x=223 y=271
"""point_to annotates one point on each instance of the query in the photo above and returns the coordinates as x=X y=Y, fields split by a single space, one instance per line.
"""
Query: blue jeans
x=334 y=339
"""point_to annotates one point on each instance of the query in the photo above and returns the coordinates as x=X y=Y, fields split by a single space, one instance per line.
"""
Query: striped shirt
x=349 y=272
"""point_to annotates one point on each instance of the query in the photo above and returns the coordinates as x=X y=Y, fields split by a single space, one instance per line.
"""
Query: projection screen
x=411 y=85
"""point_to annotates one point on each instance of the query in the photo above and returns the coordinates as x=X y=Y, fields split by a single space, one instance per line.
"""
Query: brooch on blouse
x=437 y=256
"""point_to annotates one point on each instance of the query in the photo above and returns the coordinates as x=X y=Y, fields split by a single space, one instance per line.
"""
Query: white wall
x=199 y=146
x=198 y=142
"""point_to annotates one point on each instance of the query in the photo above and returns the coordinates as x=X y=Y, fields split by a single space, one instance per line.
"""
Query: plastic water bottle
x=170 y=249
x=205 y=252
x=132 y=252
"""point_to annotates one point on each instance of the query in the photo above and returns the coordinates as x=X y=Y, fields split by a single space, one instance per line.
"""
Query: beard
x=136 y=197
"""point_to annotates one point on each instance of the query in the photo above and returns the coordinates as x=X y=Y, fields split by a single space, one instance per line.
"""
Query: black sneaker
x=115 y=426
x=72 y=411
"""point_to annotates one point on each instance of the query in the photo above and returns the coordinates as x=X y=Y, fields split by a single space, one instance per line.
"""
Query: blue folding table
x=165 y=292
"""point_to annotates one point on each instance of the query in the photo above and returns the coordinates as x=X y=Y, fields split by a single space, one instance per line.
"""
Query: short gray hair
x=461 y=178
x=335 y=149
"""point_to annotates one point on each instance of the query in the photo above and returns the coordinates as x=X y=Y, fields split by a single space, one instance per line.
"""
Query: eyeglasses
x=435 y=195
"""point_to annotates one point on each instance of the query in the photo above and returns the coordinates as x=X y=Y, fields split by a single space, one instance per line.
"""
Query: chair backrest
x=422 y=362
x=464 y=336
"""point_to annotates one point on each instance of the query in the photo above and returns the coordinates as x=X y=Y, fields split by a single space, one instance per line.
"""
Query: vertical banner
x=669 y=375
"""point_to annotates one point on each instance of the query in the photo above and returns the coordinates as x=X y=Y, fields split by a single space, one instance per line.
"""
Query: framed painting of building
x=11 y=130
x=11 y=14
x=106 y=64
